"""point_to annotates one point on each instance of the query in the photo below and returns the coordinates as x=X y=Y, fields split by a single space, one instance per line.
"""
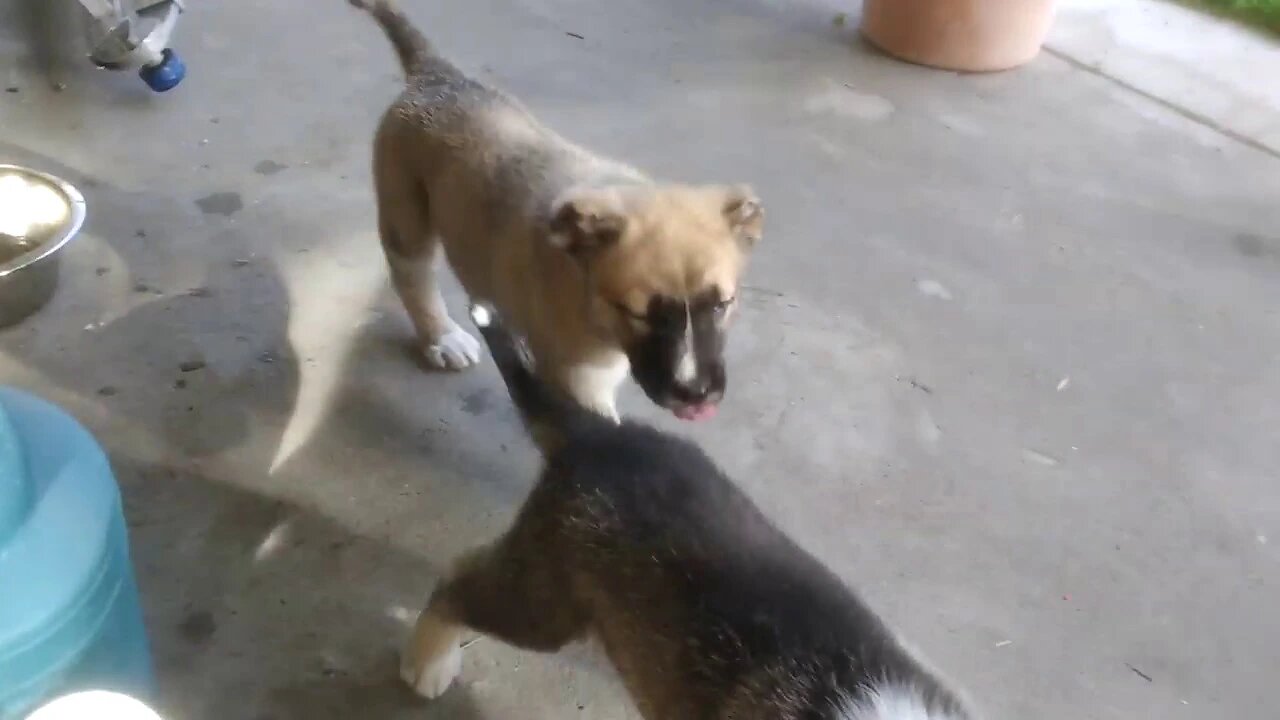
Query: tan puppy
x=599 y=267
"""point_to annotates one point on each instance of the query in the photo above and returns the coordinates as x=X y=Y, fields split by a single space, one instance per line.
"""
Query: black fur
x=704 y=606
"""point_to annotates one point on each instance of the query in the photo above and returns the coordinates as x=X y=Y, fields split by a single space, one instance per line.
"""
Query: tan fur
x=466 y=168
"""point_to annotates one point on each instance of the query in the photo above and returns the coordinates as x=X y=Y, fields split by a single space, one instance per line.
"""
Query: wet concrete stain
x=845 y=101
x=269 y=167
x=221 y=203
x=476 y=403
x=197 y=627
x=1254 y=246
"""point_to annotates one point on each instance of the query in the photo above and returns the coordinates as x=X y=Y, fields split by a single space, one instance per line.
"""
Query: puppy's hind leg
x=412 y=250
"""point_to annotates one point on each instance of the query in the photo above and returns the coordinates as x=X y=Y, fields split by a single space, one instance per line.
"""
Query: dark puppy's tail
x=415 y=51
x=551 y=417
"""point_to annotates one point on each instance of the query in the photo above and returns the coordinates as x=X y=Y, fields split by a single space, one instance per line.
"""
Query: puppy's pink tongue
x=695 y=412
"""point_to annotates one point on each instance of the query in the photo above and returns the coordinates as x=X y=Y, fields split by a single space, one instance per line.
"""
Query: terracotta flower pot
x=971 y=35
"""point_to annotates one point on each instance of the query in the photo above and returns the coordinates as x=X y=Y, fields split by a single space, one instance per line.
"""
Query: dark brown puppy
x=603 y=269
x=636 y=538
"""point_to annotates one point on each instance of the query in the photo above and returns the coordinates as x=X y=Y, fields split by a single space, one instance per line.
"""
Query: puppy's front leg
x=445 y=345
x=412 y=249
x=516 y=591
x=432 y=657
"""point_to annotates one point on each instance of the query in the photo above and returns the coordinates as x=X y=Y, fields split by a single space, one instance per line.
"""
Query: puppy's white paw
x=454 y=350
x=430 y=677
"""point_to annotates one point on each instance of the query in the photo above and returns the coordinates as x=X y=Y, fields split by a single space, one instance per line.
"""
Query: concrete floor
x=1007 y=363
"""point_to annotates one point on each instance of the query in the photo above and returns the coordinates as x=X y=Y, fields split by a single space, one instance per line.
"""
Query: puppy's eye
x=723 y=306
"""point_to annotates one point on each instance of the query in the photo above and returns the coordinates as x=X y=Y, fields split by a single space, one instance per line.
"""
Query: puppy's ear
x=745 y=215
x=586 y=221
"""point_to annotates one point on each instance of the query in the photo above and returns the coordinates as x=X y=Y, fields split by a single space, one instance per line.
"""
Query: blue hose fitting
x=166 y=75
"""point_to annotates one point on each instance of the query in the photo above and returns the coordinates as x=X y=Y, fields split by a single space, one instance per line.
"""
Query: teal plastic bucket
x=69 y=613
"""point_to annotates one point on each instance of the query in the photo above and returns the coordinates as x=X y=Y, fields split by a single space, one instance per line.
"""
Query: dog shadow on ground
x=274 y=586
x=272 y=611
x=154 y=324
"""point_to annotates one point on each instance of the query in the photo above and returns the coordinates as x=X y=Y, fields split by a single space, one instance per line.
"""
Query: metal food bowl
x=39 y=215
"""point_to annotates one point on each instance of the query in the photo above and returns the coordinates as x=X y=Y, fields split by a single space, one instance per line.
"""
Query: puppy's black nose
x=694 y=392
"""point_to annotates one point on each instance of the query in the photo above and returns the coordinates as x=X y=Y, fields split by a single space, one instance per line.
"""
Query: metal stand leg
x=135 y=33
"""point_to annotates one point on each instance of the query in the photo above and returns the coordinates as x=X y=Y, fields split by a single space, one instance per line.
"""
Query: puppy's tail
x=551 y=417
x=415 y=51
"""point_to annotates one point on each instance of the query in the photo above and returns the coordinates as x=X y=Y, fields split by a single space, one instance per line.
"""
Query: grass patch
x=1264 y=14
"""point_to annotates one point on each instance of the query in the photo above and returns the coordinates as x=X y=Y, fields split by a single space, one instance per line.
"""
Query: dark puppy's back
x=659 y=528
x=706 y=609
